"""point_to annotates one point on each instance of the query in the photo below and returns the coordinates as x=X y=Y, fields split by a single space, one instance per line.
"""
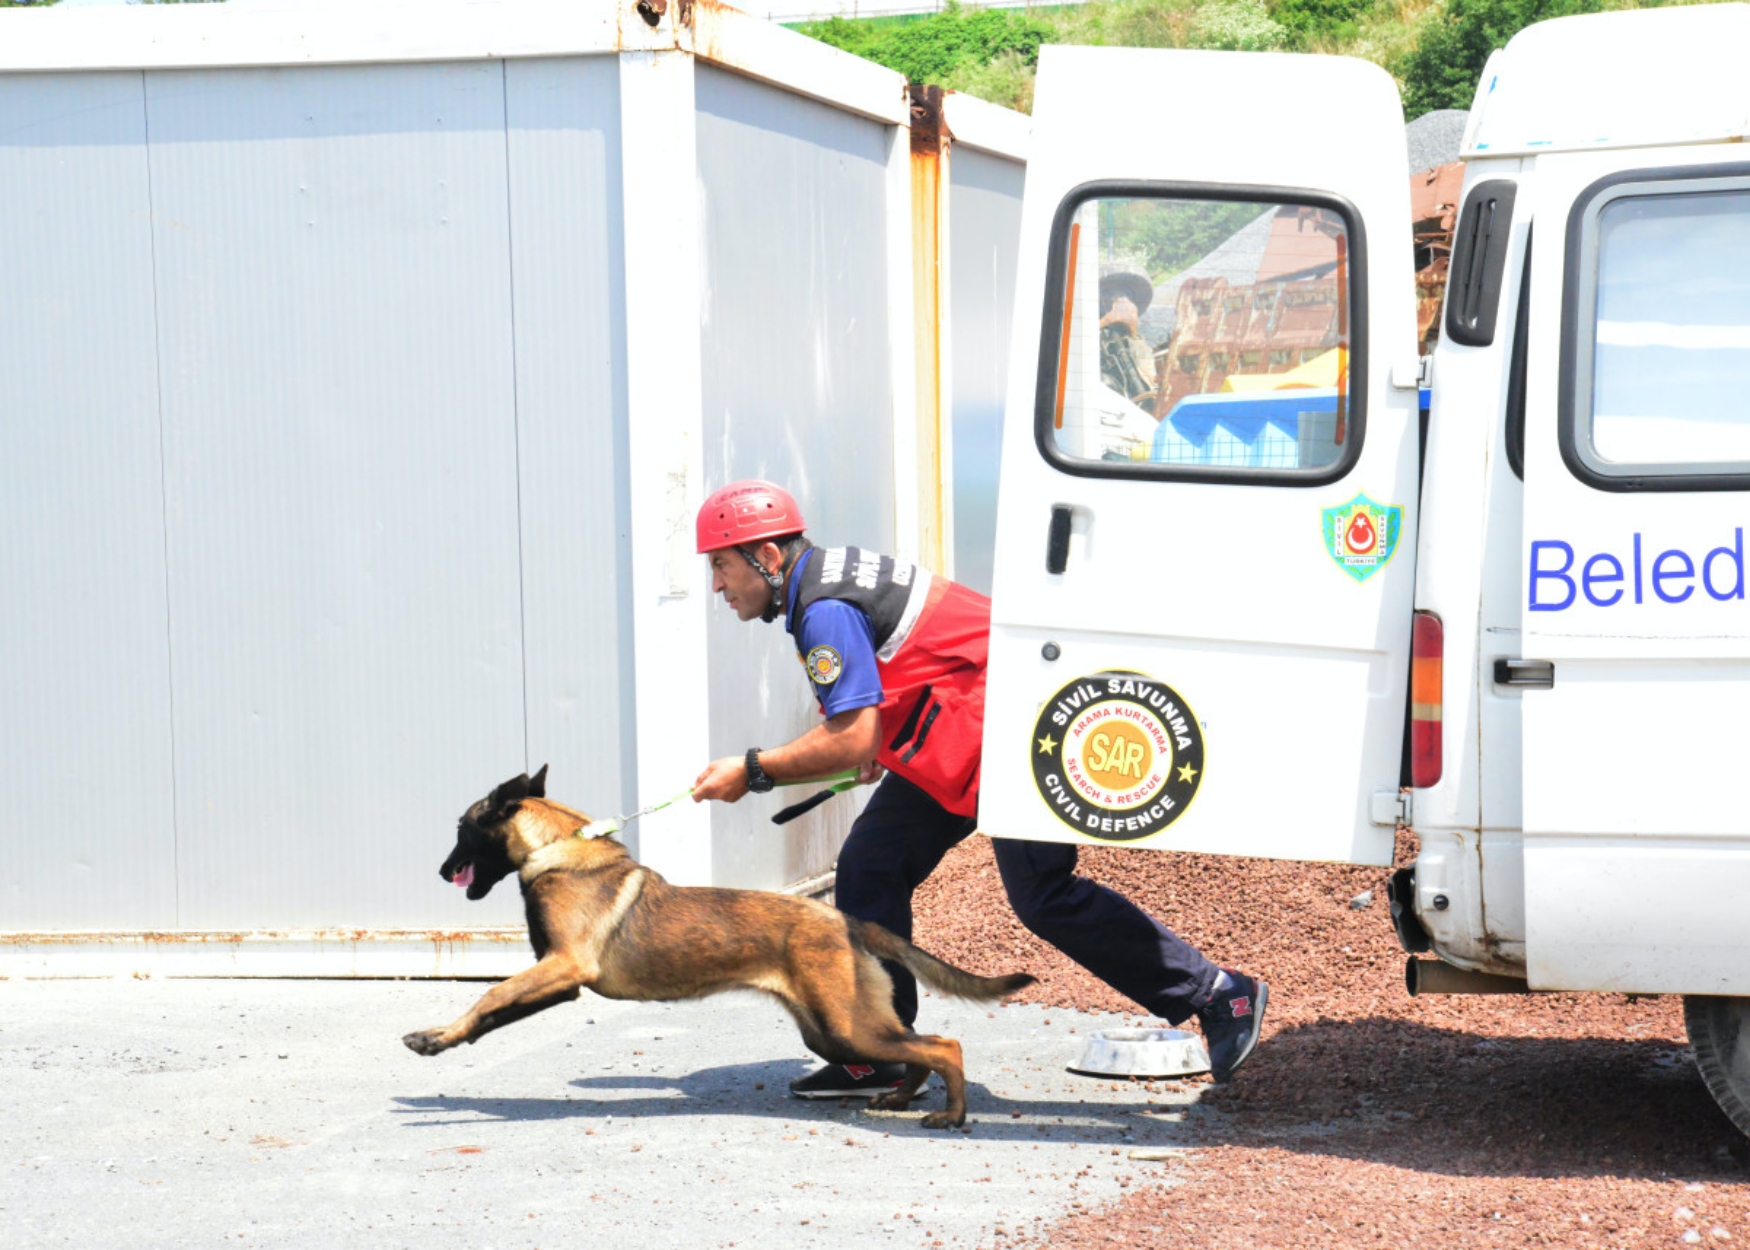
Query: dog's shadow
x=760 y=1090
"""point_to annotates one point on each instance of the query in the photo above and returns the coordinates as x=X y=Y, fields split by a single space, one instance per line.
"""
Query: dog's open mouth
x=464 y=876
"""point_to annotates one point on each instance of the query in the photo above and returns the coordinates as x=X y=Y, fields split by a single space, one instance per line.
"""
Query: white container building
x=362 y=369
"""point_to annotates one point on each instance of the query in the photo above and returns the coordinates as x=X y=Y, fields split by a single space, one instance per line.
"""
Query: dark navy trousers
x=903 y=834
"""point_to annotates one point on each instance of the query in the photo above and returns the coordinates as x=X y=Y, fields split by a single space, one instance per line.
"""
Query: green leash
x=840 y=783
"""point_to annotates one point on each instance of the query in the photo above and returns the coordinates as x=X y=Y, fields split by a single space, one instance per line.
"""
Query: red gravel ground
x=1367 y=1117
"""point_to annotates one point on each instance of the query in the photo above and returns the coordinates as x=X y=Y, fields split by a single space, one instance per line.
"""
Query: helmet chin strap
x=775 y=580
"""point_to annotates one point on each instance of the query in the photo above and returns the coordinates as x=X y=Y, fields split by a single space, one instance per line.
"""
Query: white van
x=1248 y=592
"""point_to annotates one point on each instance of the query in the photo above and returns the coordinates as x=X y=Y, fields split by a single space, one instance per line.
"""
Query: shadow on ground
x=735 y=1092
x=1443 y=1101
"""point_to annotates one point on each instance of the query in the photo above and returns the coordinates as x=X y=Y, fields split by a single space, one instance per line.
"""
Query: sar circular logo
x=1117 y=756
x=824 y=665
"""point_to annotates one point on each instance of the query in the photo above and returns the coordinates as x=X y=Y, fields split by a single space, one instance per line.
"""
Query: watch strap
x=757 y=779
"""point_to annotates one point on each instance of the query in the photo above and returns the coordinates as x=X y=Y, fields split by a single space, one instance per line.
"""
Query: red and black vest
x=932 y=644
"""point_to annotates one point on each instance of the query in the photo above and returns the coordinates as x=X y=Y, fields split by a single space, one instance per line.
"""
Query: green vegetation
x=1305 y=21
x=942 y=47
x=992 y=53
x=1435 y=48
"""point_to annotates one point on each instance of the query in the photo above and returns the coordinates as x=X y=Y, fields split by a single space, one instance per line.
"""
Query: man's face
x=740 y=584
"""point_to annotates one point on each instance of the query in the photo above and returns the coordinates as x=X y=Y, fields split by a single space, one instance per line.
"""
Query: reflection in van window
x=1671 y=348
x=1204 y=333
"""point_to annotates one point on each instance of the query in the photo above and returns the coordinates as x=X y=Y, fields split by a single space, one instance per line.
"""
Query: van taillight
x=1427 y=643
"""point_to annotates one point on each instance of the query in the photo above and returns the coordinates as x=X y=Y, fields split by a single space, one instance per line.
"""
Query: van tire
x=1719 y=1033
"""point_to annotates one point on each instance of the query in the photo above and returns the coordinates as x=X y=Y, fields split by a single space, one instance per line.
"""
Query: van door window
x=1657 y=332
x=1195 y=336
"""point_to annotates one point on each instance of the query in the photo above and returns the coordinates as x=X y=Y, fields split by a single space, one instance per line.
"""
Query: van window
x=1659 y=368
x=1200 y=336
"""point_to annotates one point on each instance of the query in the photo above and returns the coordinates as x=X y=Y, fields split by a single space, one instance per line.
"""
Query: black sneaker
x=849 y=1080
x=1231 y=1024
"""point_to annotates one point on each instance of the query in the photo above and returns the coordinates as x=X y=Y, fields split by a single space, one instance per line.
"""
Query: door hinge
x=1525 y=674
x=1390 y=808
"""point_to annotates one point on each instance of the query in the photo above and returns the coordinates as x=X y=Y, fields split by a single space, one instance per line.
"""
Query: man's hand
x=724 y=780
x=845 y=740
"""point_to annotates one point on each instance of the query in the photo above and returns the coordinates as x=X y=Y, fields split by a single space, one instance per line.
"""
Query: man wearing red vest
x=897 y=657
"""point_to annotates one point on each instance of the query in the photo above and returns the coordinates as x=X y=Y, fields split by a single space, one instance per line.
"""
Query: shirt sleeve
x=838 y=650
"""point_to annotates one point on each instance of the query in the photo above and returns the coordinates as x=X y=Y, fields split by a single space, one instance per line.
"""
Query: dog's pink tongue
x=464 y=876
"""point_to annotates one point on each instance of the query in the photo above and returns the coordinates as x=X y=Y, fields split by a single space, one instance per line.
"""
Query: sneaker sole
x=1252 y=1039
x=864 y=1092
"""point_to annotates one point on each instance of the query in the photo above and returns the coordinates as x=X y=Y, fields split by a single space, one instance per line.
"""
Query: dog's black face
x=479 y=861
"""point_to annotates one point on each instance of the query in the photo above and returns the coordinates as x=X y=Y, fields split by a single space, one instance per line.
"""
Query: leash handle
x=813 y=801
x=803 y=808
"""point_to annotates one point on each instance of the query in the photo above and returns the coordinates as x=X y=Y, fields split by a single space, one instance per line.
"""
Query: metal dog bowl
x=1142 y=1053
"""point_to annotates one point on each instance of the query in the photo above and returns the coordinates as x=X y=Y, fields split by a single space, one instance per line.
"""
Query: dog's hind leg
x=915 y=1076
x=922 y=1053
x=813 y=1035
x=942 y=1055
x=860 y=1020
x=556 y=979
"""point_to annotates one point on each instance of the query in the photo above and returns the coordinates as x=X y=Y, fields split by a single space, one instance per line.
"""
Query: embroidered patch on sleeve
x=824 y=666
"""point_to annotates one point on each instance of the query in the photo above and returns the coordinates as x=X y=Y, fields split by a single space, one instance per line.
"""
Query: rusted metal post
x=930 y=141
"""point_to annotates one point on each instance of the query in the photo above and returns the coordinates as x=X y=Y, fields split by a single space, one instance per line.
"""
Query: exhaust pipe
x=1431 y=976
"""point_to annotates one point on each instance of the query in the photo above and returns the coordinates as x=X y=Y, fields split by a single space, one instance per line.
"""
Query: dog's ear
x=538 y=784
x=501 y=804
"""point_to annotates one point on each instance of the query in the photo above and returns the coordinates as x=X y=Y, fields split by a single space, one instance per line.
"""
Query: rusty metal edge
x=179 y=937
x=929 y=180
x=340 y=954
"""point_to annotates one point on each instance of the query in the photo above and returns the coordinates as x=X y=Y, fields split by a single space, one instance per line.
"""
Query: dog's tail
x=933 y=972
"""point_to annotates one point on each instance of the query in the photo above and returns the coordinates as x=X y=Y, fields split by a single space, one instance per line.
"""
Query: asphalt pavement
x=287 y=1113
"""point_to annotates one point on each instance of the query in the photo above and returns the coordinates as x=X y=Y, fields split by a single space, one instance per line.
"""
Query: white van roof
x=1633 y=78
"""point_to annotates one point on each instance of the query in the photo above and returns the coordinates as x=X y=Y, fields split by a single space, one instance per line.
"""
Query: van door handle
x=1057 y=543
x=1525 y=674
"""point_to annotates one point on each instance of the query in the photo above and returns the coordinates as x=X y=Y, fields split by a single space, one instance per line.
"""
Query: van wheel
x=1719 y=1033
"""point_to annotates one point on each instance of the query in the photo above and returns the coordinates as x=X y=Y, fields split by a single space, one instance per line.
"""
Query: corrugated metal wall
x=796 y=389
x=89 y=828
x=278 y=593
x=984 y=228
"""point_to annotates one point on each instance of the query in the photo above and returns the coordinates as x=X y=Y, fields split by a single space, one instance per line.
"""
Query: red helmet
x=749 y=511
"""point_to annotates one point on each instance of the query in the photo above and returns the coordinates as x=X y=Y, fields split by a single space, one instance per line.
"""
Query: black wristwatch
x=757 y=781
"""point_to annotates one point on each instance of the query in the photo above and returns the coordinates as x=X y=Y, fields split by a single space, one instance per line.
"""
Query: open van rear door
x=1637 y=503
x=1206 y=533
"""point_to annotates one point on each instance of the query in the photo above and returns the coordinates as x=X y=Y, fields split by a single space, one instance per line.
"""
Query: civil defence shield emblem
x=1361 y=536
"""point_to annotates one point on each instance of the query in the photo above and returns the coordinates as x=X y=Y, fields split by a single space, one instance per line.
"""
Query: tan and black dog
x=598 y=920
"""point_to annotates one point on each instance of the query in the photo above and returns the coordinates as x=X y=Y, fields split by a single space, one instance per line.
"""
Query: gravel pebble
x=1366 y=1115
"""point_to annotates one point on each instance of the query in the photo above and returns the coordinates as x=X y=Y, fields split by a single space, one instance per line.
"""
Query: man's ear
x=538 y=784
x=770 y=556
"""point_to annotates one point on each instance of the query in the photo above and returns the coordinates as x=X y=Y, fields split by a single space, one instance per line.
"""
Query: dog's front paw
x=429 y=1042
x=890 y=1102
x=944 y=1119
